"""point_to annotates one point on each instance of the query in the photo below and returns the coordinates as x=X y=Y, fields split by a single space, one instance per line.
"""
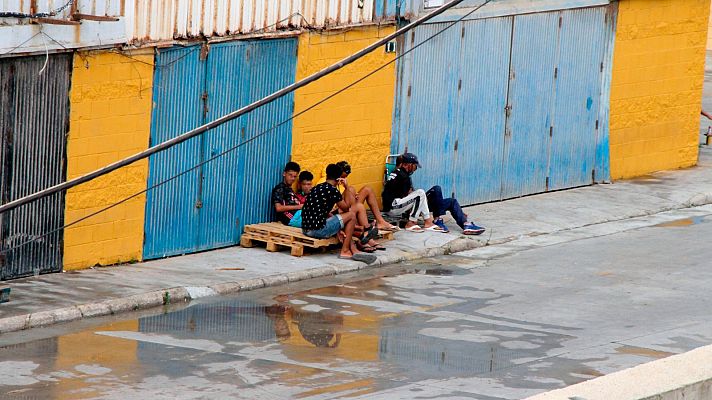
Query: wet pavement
x=486 y=324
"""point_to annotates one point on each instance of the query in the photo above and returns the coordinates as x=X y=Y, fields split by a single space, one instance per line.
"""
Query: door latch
x=199 y=204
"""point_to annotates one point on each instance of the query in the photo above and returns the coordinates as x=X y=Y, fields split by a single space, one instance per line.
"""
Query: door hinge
x=556 y=73
x=547 y=183
x=459 y=84
x=457 y=143
x=205 y=103
x=596 y=124
x=593 y=175
x=508 y=110
x=409 y=87
x=601 y=67
x=462 y=34
x=508 y=132
x=242 y=132
x=551 y=131
x=204 y=50
x=561 y=20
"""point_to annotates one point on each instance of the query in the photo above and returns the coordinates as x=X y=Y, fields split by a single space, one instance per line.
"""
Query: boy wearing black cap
x=399 y=197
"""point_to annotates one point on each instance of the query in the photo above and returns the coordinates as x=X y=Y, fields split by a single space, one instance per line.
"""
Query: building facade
x=510 y=99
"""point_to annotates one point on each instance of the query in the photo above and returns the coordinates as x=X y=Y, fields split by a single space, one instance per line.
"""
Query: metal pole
x=201 y=129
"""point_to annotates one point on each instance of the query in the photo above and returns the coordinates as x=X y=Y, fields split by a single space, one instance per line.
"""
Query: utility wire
x=231 y=149
x=225 y=118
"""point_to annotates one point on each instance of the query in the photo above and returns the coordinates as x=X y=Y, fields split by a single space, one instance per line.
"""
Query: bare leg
x=366 y=194
x=360 y=211
x=349 y=223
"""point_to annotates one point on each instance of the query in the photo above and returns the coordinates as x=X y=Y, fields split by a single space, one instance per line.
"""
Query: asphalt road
x=493 y=323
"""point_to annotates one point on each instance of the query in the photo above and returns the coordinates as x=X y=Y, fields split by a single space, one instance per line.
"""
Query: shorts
x=296 y=220
x=331 y=228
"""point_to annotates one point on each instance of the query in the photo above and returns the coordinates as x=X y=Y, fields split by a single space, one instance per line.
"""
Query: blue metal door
x=172 y=209
x=207 y=207
x=504 y=107
x=427 y=107
x=484 y=75
x=273 y=65
x=530 y=98
x=237 y=186
x=577 y=103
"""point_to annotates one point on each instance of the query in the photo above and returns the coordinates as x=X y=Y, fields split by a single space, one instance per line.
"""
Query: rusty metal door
x=34 y=121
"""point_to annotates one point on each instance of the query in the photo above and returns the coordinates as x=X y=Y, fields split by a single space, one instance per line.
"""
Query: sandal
x=368 y=235
x=434 y=228
x=415 y=228
x=366 y=249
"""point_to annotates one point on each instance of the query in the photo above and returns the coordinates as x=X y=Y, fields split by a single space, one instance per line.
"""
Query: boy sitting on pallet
x=285 y=201
x=319 y=223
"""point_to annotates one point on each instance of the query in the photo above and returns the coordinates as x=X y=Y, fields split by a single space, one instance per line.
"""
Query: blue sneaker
x=472 y=229
x=441 y=224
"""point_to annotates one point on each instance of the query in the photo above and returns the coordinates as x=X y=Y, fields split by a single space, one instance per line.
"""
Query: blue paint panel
x=228 y=70
x=171 y=225
x=484 y=60
x=578 y=94
x=428 y=106
x=272 y=67
x=603 y=158
x=208 y=207
x=534 y=50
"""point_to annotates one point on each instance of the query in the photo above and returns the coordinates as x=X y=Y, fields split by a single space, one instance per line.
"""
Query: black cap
x=410 y=158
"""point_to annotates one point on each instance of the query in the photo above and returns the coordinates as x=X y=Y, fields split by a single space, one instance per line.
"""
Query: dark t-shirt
x=397 y=186
x=284 y=195
x=320 y=201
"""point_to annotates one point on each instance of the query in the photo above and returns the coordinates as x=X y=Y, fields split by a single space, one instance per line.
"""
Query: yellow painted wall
x=709 y=31
x=656 y=88
x=110 y=118
x=355 y=125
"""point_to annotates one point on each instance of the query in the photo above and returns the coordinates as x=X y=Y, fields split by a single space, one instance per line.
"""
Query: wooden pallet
x=277 y=235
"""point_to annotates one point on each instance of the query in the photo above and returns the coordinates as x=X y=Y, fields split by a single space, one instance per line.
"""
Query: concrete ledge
x=685 y=376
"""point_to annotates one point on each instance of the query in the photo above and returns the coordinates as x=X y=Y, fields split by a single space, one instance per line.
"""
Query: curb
x=187 y=293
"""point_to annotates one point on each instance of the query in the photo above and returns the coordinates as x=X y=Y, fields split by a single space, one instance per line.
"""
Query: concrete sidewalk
x=55 y=298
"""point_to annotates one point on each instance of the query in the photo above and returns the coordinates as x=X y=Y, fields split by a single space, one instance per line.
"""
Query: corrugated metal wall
x=172 y=218
x=514 y=107
x=208 y=207
x=34 y=120
x=148 y=20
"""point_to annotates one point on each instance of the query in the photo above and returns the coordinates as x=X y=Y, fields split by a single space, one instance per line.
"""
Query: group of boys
x=334 y=208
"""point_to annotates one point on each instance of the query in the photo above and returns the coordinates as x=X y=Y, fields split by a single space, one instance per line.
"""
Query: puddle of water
x=681 y=223
x=642 y=351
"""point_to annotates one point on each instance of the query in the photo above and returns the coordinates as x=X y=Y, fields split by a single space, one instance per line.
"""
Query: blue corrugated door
x=208 y=207
x=509 y=106
x=236 y=187
x=427 y=120
x=578 y=97
x=531 y=84
x=172 y=210
x=484 y=75
x=273 y=65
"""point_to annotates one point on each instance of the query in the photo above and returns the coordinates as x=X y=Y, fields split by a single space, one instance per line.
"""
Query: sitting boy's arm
x=282 y=208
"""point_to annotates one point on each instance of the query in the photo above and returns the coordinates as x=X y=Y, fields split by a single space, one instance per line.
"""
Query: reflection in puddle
x=682 y=222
